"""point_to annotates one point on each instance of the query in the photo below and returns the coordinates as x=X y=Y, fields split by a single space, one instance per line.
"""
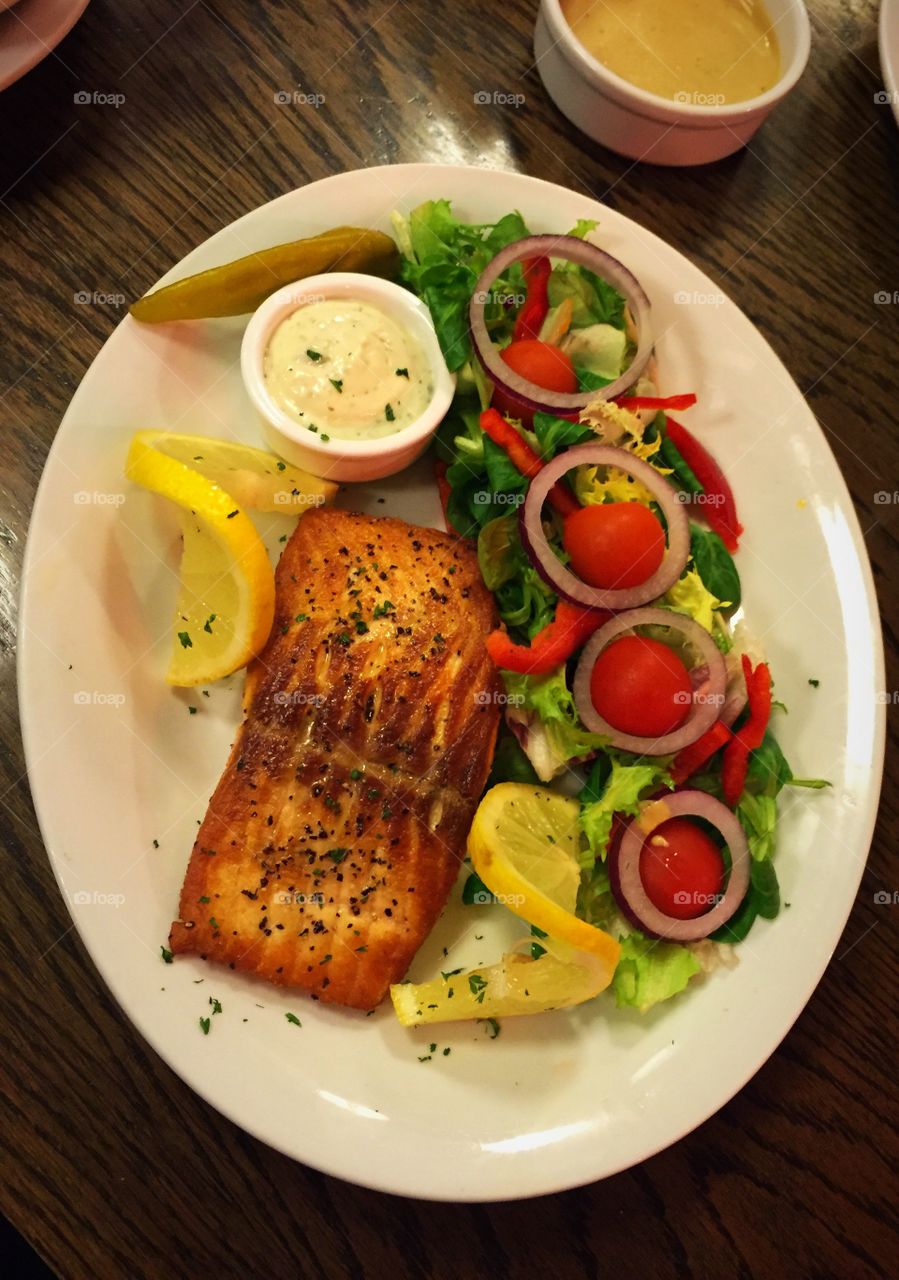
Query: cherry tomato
x=682 y=869
x=640 y=686
x=614 y=544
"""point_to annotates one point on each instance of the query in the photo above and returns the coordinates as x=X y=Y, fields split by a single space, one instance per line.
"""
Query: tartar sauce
x=347 y=369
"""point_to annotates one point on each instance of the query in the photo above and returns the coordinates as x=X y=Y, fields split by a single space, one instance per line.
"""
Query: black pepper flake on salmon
x=395 y=709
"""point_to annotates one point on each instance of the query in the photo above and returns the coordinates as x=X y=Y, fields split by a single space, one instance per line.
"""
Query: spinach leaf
x=715 y=565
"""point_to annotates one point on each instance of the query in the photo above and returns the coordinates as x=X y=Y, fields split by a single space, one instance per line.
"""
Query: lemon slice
x=254 y=478
x=226 y=600
x=524 y=844
x=516 y=985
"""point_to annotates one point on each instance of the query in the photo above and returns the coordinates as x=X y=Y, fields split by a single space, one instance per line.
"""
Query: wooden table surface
x=112 y=1167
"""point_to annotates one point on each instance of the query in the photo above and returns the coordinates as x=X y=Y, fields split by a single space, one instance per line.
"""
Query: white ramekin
x=642 y=125
x=345 y=459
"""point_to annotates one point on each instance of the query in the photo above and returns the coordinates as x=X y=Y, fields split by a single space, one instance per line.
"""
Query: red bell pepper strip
x=721 y=511
x=694 y=756
x=572 y=627
x=444 y=490
x=524 y=459
x=685 y=401
x=751 y=734
x=536 y=305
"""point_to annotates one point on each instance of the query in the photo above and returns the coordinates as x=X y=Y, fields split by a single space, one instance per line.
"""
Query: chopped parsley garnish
x=155 y=844
x=493 y=1028
x=355 y=774
x=302 y=617
x=281 y=466
x=293 y=1019
x=313 y=355
x=362 y=948
x=166 y=955
x=382 y=610
x=337 y=855
x=232 y=514
x=324 y=437
x=361 y=627
x=477 y=986
x=203 y=899
x=186 y=642
x=337 y=384
x=402 y=373
x=447 y=1051
x=386 y=812
x=192 y=711
x=388 y=412
x=814 y=683
x=214 y=923
x=204 y=1026
x=216 y=1004
x=451 y=974
x=344 y=638
x=207 y=625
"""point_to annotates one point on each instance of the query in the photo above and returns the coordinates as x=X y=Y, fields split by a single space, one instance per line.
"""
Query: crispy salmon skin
x=337 y=829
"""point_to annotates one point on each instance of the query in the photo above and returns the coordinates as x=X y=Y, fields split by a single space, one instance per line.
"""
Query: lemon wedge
x=518 y=984
x=524 y=844
x=226 y=600
x=254 y=478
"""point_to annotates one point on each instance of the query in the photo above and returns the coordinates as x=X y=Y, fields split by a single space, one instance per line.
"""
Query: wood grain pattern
x=112 y=1167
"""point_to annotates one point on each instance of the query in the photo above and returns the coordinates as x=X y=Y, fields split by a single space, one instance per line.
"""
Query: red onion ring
x=530 y=397
x=735 y=699
x=627 y=884
x=562 y=580
x=707 y=700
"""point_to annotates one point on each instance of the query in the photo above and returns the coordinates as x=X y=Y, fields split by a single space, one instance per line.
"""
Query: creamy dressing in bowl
x=343 y=367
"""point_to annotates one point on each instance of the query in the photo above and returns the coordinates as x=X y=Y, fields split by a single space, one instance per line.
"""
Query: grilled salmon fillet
x=336 y=832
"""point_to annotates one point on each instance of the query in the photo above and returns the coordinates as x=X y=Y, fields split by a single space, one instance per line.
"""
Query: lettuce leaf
x=596 y=349
x=691 y=596
x=650 y=971
x=622 y=793
x=524 y=600
x=544 y=707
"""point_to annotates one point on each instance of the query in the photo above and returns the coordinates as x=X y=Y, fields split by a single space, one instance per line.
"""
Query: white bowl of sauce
x=670 y=83
x=347 y=375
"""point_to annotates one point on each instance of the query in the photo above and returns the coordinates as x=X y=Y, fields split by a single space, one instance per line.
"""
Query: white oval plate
x=116 y=760
x=888 y=44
